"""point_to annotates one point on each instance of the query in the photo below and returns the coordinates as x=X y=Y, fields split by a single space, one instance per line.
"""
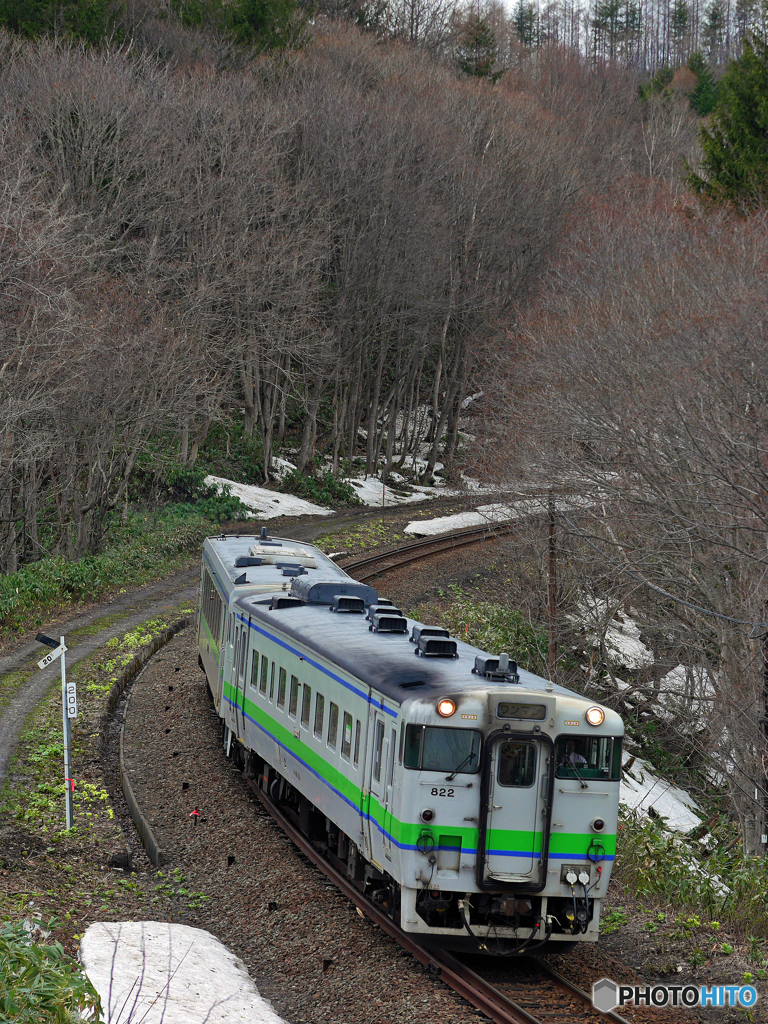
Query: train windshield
x=436 y=748
x=588 y=757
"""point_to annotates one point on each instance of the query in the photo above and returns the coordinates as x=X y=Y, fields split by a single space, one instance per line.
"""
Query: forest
x=318 y=231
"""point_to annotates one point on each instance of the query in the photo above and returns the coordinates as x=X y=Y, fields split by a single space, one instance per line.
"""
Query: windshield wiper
x=469 y=757
x=577 y=774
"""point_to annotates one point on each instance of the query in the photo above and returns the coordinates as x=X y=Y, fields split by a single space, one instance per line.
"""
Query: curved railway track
x=367 y=567
x=533 y=995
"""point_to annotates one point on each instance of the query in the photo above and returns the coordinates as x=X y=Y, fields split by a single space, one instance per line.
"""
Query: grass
x=361 y=537
x=54 y=868
x=141 y=551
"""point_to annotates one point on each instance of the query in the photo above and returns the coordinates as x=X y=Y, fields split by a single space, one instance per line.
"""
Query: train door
x=226 y=663
x=380 y=793
x=239 y=663
x=517 y=797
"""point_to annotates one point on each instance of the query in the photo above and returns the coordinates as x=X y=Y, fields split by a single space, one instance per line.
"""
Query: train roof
x=386 y=661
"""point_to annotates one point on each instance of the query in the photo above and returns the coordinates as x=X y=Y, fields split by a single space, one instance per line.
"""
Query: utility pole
x=552 y=587
x=763 y=820
x=68 y=712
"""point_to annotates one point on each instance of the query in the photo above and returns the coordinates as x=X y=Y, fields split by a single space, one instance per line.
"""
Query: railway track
x=383 y=561
x=531 y=994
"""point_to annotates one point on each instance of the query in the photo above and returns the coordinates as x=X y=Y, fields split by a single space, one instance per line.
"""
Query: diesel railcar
x=475 y=801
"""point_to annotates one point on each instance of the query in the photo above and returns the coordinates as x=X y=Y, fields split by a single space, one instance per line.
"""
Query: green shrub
x=139 y=550
x=721 y=885
x=39 y=983
x=322 y=490
x=228 y=451
x=497 y=629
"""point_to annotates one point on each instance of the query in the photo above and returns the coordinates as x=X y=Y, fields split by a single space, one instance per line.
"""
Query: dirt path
x=124 y=613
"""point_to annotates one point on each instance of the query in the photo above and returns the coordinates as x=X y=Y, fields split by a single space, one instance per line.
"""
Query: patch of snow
x=268 y=504
x=641 y=788
x=160 y=973
x=686 y=693
x=621 y=634
x=444 y=524
x=497 y=513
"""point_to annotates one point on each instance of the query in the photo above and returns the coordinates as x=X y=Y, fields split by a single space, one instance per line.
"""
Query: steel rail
x=394 y=558
x=464 y=981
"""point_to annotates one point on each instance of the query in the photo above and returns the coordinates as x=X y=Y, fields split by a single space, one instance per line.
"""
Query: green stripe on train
x=404 y=832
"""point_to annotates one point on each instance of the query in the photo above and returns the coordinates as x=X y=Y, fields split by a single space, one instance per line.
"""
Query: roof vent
x=437 y=647
x=291 y=569
x=388 y=609
x=314 y=591
x=386 y=622
x=345 y=603
x=419 y=631
x=241 y=579
x=384 y=601
x=501 y=669
x=243 y=561
x=412 y=685
x=285 y=602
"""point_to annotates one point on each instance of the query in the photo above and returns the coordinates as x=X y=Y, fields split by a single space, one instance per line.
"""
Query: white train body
x=476 y=802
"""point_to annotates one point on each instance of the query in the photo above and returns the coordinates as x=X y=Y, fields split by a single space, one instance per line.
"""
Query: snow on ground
x=686 y=694
x=372 y=492
x=641 y=788
x=266 y=504
x=483 y=514
x=498 y=513
x=160 y=973
x=622 y=635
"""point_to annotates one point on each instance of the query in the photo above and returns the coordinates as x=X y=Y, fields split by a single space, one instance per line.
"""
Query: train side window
x=319 y=714
x=358 y=730
x=333 y=725
x=587 y=757
x=377 y=748
x=402 y=741
x=293 y=703
x=392 y=748
x=517 y=763
x=264 y=673
x=281 y=688
x=254 y=670
x=306 y=704
x=272 y=684
x=346 y=736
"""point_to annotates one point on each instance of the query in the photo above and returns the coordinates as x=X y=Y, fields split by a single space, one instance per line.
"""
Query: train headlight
x=598 y=824
x=446 y=707
x=595 y=716
x=427 y=814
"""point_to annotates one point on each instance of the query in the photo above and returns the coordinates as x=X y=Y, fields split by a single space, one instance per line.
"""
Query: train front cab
x=545 y=804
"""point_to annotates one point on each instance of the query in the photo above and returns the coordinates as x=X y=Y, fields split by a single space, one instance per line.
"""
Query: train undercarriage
x=494 y=923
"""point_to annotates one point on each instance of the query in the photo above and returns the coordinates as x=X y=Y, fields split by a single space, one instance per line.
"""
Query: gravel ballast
x=304 y=944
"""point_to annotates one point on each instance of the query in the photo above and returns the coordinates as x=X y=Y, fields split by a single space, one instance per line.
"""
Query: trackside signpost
x=68 y=709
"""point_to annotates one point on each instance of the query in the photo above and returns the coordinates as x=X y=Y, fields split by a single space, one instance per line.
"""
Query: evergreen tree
x=679 y=24
x=715 y=25
x=478 y=52
x=735 y=145
x=90 y=20
x=704 y=96
x=526 y=21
